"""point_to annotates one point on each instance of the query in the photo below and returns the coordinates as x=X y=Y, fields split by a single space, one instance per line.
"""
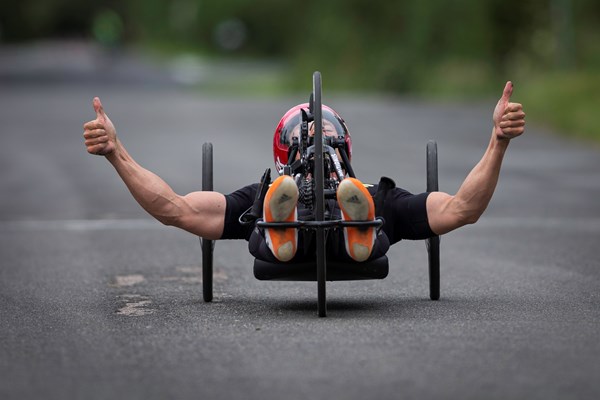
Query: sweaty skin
x=203 y=213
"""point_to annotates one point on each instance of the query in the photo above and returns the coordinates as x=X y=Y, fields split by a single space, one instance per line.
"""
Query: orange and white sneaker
x=357 y=204
x=280 y=205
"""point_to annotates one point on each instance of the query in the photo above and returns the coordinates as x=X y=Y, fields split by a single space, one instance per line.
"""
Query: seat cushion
x=307 y=271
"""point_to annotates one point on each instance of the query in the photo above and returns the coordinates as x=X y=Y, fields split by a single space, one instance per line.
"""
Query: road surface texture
x=99 y=301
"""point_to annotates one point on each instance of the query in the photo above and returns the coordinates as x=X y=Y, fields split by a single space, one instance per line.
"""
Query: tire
x=319 y=196
x=433 y=243
x=207 y=245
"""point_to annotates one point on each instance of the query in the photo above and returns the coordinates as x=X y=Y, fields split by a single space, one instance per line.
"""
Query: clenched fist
x=100 y=135
x=509 y=118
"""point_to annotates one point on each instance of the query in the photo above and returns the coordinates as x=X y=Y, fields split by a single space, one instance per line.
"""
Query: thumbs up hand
x=509 y=118
x=100 y=134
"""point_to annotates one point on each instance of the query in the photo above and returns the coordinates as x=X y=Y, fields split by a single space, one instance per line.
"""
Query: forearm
x=446 y=212
x=149 y=190
x=475 y=193
x=201 y=213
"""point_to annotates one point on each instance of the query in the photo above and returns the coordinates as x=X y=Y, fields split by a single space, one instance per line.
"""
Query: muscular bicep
x=203 y=214
x=443 y=213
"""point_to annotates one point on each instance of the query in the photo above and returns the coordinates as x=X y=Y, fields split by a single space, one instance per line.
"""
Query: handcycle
x=314 y=163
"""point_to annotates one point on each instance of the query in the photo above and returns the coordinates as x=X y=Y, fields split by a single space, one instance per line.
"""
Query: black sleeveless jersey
x=405 y=214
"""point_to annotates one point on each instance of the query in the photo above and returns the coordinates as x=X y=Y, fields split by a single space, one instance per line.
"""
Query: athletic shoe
x=280 y=206
x=356 y=204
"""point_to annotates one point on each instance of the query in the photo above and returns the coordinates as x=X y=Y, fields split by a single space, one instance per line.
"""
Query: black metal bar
x=207 y=270
x=432 y=167
x=338 y=223
x=319 y=197
x=433 y=248
x=207 y=245
x=330 y=193
x=293 y=154
x=433 y=243
x=304 y=132
x=346 y=161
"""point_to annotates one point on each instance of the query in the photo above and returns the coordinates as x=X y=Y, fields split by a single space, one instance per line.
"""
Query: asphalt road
x=99 y=301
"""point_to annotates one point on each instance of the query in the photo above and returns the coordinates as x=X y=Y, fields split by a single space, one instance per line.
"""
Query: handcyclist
x=213 y=215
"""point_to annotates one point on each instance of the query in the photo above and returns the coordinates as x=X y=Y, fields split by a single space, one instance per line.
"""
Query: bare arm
x=201 y=213
x=446 y=212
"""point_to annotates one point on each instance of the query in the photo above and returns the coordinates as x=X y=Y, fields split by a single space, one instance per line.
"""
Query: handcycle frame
x=320 y=166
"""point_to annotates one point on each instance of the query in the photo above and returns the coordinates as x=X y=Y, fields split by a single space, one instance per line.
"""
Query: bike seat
x=307 y=271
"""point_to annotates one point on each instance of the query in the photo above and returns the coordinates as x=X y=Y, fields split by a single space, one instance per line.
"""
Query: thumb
x=508 y=89
x=98 y=108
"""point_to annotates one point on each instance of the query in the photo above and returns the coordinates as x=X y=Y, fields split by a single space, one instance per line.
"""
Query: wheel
x=433 y=244
x=319 y=196
x=207 y=245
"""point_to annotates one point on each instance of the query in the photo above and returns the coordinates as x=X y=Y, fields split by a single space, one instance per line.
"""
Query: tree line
x=381 y=44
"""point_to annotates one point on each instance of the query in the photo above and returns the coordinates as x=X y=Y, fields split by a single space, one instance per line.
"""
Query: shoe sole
x=356 y=204
x=280 y=206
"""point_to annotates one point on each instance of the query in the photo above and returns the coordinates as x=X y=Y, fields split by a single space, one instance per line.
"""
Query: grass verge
x=567 y=101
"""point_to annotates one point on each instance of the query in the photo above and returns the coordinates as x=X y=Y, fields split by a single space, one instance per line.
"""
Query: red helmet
x=291 y=121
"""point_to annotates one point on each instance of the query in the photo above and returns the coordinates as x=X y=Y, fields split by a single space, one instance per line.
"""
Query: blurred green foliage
x=380 y=44
x=432 y=47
